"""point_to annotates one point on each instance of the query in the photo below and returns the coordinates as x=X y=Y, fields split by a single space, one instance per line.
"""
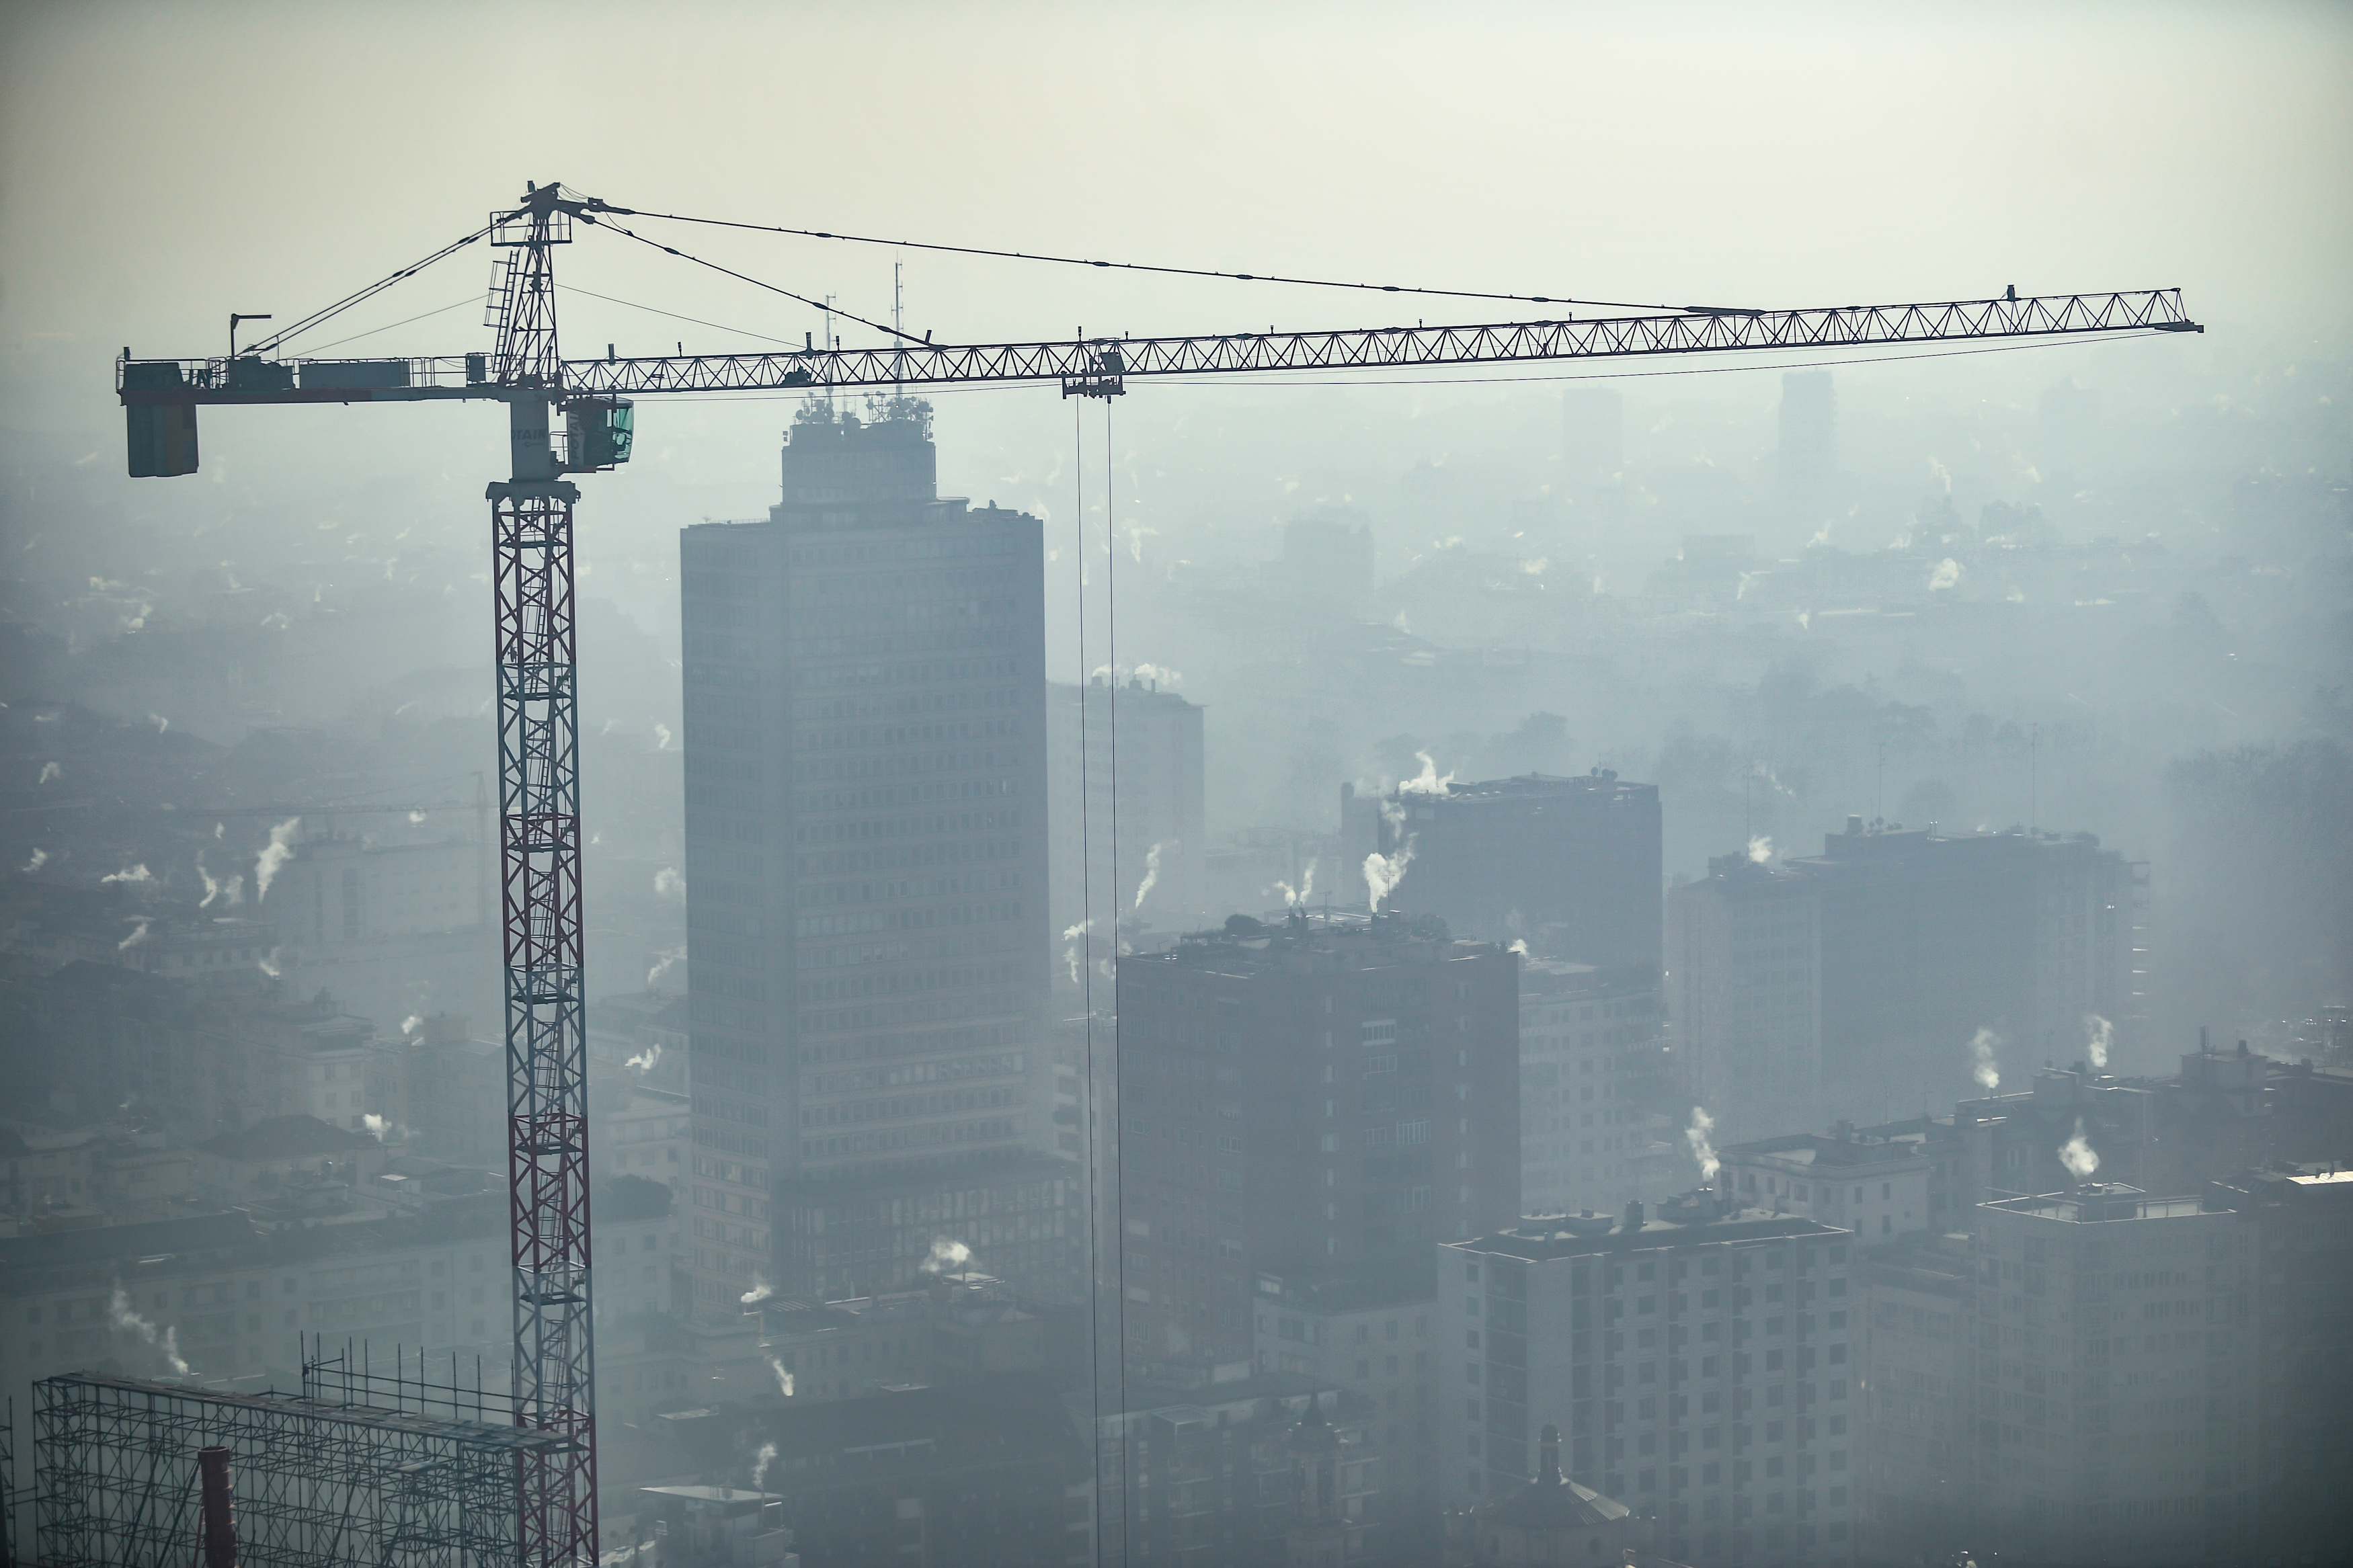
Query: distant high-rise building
x=1155 y=760
x=1921 y=968
x=2298 y=1231
x=2114 y=1403
x=1744 y=969
x=1808 y=449
x=1695 y=1361
x=1312 y=1096
x=866 y=848
x=1571 y=865
x=1596 y=1123
x=1592 y=437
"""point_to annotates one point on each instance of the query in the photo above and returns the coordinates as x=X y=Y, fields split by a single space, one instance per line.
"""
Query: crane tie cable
x=1147 y=266
x=276 y=340
x=603 y=221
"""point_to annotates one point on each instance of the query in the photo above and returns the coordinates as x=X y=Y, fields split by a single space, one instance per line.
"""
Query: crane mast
x=539 y=908
x=535 y=641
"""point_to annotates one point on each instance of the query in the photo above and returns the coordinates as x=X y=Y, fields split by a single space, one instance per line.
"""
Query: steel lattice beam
x=1378 y=348
x=539 y=884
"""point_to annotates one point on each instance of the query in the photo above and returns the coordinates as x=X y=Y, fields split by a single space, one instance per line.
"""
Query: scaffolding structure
x=320 y=1480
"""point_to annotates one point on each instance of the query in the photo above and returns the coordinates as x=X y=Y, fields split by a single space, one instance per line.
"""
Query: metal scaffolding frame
x=319 y=1483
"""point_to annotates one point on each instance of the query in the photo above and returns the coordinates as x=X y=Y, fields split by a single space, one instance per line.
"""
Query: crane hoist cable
x=605 y=222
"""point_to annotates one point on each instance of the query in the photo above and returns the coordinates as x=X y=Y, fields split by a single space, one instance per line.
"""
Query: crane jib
x=158 y=382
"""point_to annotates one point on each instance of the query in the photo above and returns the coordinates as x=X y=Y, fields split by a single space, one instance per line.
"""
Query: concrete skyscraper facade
x=1309 y=1099
x=866 y=853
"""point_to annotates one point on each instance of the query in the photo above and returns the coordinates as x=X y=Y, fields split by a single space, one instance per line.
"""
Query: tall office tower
x=1697 y=1363
x=1149 y=741
x=866 y=866
x=1598 y=1127
x=1744 y=990
x=1808 y=457
x=2298 y=1226
x=2114 y=1406
x=1314 y=1097
x=1927 y=939
x=1568 y=865
x=1592 y=437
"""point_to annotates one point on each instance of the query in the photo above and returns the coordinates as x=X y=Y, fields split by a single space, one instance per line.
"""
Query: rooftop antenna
x=899 y=358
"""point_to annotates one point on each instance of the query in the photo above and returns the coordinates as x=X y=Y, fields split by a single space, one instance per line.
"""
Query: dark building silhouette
x=2298 y=1241
x=1571 y=865
x=1933 y=968
x=1314 y=1096
x=993 y=1470
x=866 y=844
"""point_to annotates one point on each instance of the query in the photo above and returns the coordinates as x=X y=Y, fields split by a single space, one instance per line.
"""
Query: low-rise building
x=1880 y=1183
x=1373 y=1339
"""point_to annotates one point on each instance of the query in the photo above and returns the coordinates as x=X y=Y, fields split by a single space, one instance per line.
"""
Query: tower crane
x=572 y=417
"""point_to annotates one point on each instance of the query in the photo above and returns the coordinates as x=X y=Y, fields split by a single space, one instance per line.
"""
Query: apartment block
x=1698 y=1361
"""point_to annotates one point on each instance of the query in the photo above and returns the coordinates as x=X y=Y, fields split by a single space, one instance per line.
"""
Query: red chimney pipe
x=220 y=1523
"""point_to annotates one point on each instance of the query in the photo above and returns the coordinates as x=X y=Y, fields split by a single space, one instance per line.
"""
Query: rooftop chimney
x=1633 y=1222
x=1548 y=1457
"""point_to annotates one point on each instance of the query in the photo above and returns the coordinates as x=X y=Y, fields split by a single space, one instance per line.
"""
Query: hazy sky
x=165 y=164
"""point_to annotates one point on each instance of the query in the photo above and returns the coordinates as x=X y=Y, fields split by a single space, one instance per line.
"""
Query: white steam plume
x=1519 y=945
x=1982 y=1066
x=1151 y=876
x=273 y=859
x=1384 y=872
x=1760 y=850
x=49 y=771
x=119 y=1313
x=128 y=874
x=1946 y=574
x=661 y=737
x=760 y=1291
x=2103 y=1035
x=229 y=893
x=2078 y=1155
x=669 y=884
x=411 y=1023
x=768 y=1450
x=384 y=1129
x=1702 y=1148
x=784 y=1376
x=137 y=935
x=269 y=962
x=665 y=961
x=1294 y=897
x=644 y=1060
x=160 y=723
x=40 y=858
x=1426 y=782
x=944 y=1256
